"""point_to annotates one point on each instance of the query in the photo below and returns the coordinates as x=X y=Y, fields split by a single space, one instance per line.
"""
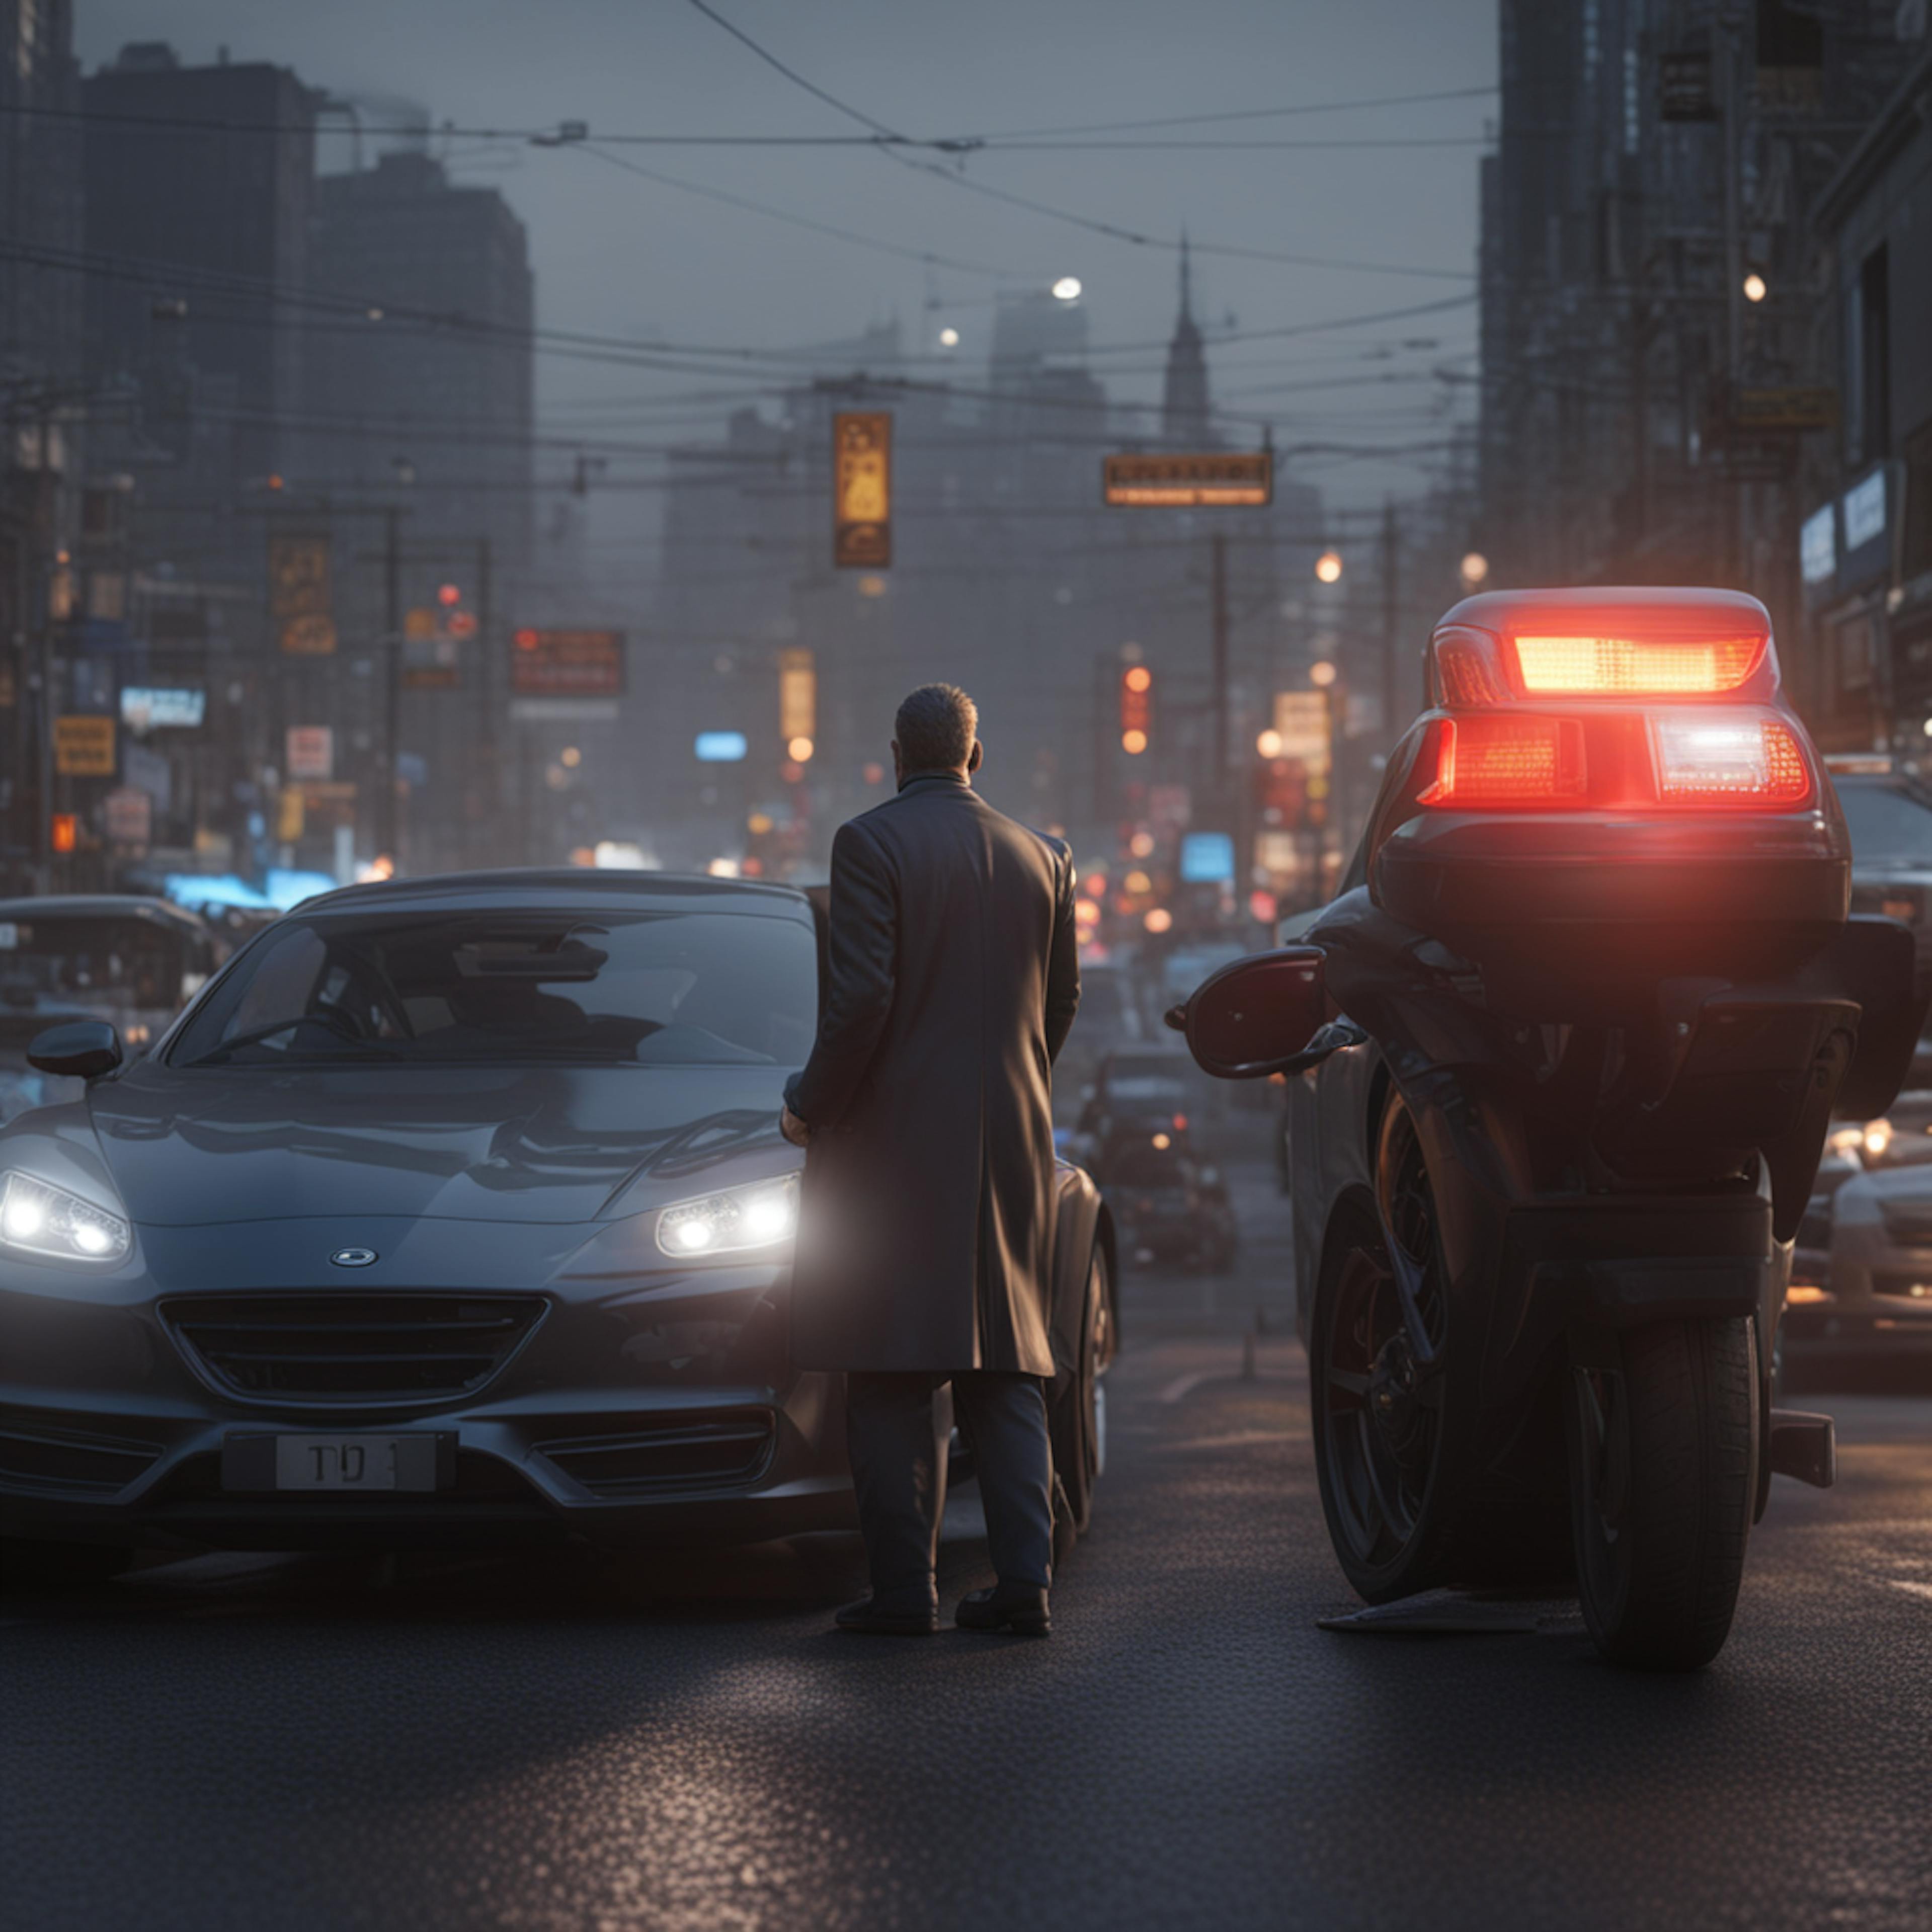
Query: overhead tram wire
x=893 y=140
x=1027 y=139
x=665 y=357
x=925 y=257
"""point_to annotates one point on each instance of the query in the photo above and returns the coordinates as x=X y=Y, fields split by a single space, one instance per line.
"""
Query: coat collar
x=935 y=778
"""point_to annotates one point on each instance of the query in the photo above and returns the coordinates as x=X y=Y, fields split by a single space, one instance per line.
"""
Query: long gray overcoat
x=927 y=1226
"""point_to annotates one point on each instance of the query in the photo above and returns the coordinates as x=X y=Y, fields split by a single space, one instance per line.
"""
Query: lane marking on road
x=1240 y=1439
x=1182 y=1387
x=1917 y=1588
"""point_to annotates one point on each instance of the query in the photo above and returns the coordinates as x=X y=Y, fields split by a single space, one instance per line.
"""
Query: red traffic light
x=448 y=594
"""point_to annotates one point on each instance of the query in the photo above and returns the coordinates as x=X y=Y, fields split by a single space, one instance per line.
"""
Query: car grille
x=73 y=1464
x=718 y=1452
x=352 y=1348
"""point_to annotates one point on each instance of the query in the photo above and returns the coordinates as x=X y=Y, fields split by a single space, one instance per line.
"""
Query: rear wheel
x=1078 y=1423
x=1386 y=1434
x=1664 y=1452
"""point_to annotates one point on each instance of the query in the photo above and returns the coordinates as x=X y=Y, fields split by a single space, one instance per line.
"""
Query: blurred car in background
x=1875 y=1300
x=1139 y=1092
x=1170 y=1206
x=129 y=960
x=1109 y=1017
x=1888 y=813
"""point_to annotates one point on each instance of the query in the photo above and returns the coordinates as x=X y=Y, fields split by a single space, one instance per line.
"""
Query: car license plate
x=354 y=1462
x=342 y=1461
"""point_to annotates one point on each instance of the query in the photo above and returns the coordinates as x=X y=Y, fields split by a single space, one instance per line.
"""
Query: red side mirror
x=1250 y=1019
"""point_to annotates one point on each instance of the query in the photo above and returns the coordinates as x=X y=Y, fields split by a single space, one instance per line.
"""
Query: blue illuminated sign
x=720 y=748
x=1206 y=858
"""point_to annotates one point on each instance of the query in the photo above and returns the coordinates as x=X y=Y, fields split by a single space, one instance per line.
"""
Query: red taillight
x=1633 y=667
x=1503 y=760
x=1707 y=758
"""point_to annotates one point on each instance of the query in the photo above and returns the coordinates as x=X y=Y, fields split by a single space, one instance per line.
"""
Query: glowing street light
x=1133 y=742
x=798 y=750
x=1269 y=744
x=1328 y=567
x=948 y=338
x=1158 y=920
x=1756 y=289
x=1475 y=567
x=1322 y=673
x=1067 y=289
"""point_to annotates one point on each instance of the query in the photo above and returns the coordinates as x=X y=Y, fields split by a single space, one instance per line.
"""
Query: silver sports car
x=450 y=1209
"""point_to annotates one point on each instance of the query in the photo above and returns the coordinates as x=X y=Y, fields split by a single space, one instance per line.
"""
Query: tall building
x=1648 y=262
x=41 y=398
x=437 y=383
x=197 y=241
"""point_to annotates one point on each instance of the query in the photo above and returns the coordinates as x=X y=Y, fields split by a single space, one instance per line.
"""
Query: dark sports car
x=453 y=1209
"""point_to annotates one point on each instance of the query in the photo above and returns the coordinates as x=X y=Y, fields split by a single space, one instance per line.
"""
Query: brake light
x=1633 y=667
x=1501 y=759
x=1706 y=760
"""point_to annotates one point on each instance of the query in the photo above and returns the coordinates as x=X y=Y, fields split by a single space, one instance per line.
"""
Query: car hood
x=189 y=1146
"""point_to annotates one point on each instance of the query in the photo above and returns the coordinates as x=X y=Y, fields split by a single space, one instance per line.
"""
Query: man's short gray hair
x=935 y=729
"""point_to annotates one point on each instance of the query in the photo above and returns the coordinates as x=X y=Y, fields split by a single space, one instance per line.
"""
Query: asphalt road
x=292 y=1744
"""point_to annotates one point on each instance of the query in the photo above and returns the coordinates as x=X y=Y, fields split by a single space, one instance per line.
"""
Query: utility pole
x=1730 y=30
x=389 y=817
x=1222 y=800
x=1391 y=624
x=483 y=835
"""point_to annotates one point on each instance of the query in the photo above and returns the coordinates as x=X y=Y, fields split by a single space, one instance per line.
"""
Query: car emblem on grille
x=353 y=1257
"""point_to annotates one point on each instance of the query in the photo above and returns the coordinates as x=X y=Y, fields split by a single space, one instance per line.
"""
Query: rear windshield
x=1886 y=822
x=618 y=989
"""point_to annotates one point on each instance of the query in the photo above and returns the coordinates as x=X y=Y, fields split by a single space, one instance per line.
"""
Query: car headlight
x=44 y=1220
x=760 y=1215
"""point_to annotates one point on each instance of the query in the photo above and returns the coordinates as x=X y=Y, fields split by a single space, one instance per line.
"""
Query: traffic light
x=64 y=832
x=1136 y=710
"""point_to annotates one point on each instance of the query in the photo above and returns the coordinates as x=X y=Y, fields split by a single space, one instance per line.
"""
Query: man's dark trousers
x=897 y=1450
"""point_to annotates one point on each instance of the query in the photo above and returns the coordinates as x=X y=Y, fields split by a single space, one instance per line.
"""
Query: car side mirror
x=1261 y=1015
x=81 y=1050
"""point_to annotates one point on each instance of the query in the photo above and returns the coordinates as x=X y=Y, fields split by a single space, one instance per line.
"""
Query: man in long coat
x=924 y=1250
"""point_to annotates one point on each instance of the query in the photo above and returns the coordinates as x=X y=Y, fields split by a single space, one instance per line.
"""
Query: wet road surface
x=321 y=1743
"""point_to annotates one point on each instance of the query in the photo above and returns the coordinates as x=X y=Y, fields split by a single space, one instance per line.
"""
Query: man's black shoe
x=871 y=1618
x=1018 y=1607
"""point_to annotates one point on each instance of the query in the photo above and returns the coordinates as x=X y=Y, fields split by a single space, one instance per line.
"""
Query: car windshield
x=108 y=962
x=618 y=989
x=1887 y=822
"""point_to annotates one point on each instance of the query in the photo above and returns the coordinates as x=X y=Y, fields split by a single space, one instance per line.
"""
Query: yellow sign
x=298 y=599
x=1219 y=479
x=862 y=490
x=424 y=621
x=798 y=696
x=1786 y=407
x=1301 y=723
x=84 y=746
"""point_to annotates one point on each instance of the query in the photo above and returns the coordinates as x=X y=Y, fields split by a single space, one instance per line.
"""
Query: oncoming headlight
x=760 y=1215
x=43 y=1219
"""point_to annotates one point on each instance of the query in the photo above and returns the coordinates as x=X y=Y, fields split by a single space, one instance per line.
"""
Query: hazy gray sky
x=619 y=255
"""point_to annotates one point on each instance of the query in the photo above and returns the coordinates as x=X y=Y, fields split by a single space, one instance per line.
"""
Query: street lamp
x=1755 y=287
x=1321 y=673
x=948 y=338
x=1328 y=567
x=1475 y=567
x=1067 y=289
x=1269 y=744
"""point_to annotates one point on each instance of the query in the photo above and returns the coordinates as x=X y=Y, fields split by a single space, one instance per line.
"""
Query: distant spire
x=1184 y=406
